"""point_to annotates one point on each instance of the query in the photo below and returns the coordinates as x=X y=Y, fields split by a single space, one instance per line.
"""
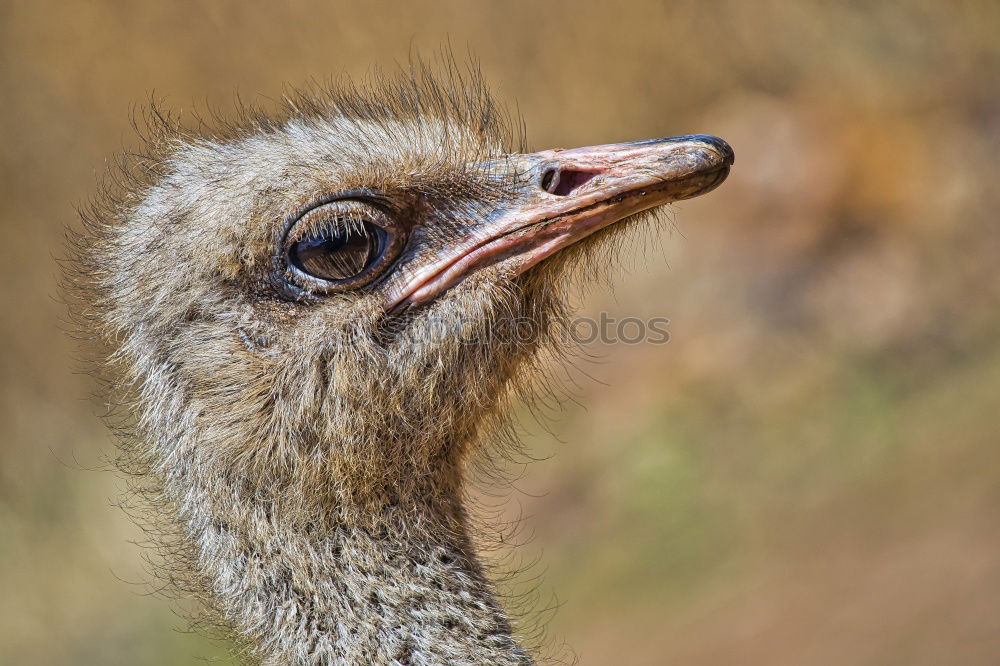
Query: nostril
x=563 y=182
x=550 y=179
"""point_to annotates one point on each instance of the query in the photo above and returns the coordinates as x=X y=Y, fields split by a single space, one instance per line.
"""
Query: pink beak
x=574 y=193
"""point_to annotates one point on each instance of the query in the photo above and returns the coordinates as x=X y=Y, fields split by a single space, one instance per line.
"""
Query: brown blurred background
x=808 y=473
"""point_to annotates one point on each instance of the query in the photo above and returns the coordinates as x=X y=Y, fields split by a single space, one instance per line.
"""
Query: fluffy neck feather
x=346 y=543
x=398 y=585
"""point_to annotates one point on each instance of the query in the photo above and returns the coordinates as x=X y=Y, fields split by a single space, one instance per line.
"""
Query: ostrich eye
x=341 y=245
x=337 y=254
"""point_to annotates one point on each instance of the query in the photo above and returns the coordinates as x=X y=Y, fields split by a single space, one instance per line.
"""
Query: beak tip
x=718 y=145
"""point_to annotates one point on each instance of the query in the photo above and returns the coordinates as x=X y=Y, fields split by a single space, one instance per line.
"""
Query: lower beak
x=570 y=195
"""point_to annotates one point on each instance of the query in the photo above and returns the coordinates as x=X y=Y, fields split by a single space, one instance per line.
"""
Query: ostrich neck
x=400 y=587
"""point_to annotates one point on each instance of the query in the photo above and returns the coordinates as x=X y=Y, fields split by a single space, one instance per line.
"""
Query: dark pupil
x=337 y=254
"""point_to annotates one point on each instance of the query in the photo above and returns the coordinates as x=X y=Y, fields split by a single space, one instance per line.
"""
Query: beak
x=567 y=196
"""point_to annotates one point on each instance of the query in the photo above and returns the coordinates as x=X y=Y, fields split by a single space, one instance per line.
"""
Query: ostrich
x=313 y=319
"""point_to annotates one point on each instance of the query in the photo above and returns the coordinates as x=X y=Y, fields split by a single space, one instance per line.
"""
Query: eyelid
x=316 y=219
x=371 y=197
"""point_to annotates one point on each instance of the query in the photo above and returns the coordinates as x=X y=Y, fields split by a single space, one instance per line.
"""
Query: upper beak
x=570 y=195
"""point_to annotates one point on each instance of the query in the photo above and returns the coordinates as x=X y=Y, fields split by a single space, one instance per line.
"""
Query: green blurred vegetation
x=808 y=473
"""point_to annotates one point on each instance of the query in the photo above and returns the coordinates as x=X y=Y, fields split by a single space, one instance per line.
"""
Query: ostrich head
x=314 y=316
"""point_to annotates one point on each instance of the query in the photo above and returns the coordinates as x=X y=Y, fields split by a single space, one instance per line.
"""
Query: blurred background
x=808 y=473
